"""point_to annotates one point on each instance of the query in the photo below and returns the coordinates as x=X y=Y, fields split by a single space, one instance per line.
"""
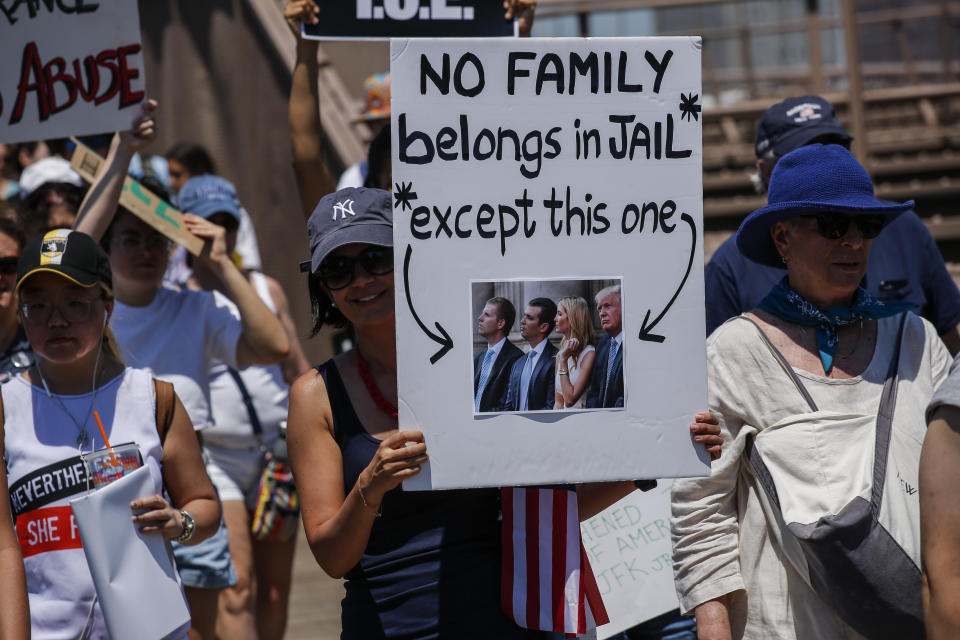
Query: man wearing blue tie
x=606 y=382
x=491 y=368
x=531 y=386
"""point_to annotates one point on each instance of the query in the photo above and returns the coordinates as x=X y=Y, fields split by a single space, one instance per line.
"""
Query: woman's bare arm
x=572 y=392
x=295 y=364
x=338 y=522
x=940 y=524
x=314 y=179
x=185 y=477
x=100 y=204
x=14 y=606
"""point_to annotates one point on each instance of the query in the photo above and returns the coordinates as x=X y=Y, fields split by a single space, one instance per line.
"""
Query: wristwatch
x=189 y=526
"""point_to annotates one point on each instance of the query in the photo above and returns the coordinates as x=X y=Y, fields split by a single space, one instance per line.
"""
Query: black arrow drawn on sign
x=445 y=341
x=645 y=328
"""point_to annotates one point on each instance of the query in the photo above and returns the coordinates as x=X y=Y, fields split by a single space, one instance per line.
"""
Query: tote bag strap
x=248 y=403
x=783 y=363
x=888 y=402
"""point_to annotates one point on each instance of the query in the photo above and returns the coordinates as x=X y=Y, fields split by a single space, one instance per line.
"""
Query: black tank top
x=431 y=568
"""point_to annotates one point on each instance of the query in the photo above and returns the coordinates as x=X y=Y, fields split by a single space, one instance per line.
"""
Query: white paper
x=628 y=546
x=438 y=93
x=136 y=581
x=44 y=45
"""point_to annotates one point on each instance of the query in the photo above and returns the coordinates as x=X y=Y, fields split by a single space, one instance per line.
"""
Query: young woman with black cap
x=52 y=415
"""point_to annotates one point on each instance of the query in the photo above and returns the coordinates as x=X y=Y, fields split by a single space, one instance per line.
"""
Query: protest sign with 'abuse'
x=71 y=67
x=549 y=168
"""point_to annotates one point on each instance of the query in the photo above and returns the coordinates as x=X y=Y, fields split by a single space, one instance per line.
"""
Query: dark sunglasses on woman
x=337 y=272
x=834 y=226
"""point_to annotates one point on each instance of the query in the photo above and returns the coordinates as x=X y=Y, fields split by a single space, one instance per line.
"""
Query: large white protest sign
x=628 y=545
x=550 y=168
x=69 y=68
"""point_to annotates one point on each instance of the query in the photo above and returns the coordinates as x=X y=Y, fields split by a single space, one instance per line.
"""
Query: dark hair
x=11 y=159
x=9 y=227
x=547 y=308
x=193 y=157
x=34 y=210
x=378 y=159
x=322 y=310
x=505 y=312
x=153 y=184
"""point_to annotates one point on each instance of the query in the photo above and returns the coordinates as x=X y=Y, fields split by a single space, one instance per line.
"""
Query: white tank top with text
x=45 y=471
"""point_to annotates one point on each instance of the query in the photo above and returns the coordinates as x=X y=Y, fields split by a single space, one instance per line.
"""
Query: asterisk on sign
x=404 y=195
x=689 y=108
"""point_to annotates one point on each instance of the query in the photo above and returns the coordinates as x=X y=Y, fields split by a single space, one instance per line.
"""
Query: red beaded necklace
x=382 y=403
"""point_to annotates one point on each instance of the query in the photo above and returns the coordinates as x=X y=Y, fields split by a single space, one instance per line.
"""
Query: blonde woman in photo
x=577 y=353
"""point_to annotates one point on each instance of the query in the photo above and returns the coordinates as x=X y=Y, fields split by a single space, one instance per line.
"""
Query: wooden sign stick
x=138 y=200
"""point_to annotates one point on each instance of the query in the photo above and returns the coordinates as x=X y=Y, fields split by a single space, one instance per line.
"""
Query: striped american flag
x=546 y=582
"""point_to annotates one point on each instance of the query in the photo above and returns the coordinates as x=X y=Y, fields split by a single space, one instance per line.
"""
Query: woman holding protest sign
x=76 y=398
x=821 y=393
x=577 y=352
x=418 y=564
x=179 y=335
x=421 y=564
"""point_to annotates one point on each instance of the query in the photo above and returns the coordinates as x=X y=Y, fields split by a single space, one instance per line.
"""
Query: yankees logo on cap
x=355 y=215
x=343 y=208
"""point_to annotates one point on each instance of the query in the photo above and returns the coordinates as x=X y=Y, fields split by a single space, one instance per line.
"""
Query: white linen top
x=573 y=373
x=722 y=542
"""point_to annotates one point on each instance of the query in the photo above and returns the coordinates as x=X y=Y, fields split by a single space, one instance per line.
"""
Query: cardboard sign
x=69 y=67
x=382 y=19
x=549 y=168
x=628 y=546
x=139 y=200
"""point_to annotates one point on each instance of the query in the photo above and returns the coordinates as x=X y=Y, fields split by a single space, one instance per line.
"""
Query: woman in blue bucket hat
x=808 y=526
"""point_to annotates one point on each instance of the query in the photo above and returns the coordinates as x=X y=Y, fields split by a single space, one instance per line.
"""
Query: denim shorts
x=207 y=565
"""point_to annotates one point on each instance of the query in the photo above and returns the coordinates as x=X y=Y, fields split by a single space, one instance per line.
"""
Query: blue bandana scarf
x=785 y=303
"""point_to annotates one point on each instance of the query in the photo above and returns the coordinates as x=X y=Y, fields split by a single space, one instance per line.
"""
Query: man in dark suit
x=531 y=386
x=606 y=381
x=491 y=368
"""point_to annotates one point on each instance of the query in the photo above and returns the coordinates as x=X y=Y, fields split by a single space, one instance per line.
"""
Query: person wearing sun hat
x=50 y=418
x=376 y=115
x=814 y=354
x=905 y=264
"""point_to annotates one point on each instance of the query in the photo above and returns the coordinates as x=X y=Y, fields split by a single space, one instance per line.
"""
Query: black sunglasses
x=8 y=266
x=336 y=272
x=834 y=226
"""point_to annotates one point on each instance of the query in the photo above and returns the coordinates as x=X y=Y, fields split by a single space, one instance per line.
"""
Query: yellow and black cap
x=71 y=254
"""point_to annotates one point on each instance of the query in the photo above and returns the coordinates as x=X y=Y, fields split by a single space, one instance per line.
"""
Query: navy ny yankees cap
x=795 y=122
x=355 y=215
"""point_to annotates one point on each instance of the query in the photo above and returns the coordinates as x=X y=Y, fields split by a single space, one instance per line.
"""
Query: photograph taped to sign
x=545 y=346
x=71 y=68
x=538 y=160
x=384 y=19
